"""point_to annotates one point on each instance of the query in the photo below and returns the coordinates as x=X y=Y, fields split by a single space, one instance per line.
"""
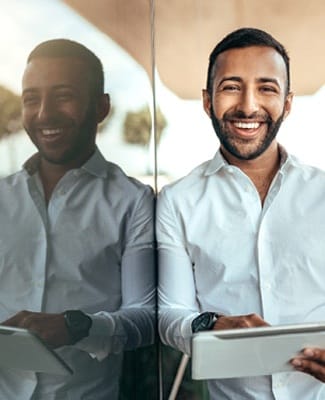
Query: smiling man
x=77 y=254
x=240 y=237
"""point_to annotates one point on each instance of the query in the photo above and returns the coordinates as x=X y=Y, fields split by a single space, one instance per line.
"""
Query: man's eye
x=64 y=96
x=270 y=89
x=231 y=88
x=30 y=100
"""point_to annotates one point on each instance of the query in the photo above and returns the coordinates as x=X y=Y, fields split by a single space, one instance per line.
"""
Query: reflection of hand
x=239 y=321
x=50 y=328
x=311 y=361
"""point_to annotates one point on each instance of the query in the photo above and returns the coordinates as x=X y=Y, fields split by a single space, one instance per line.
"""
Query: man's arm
x=178 y=304
x=133 y=324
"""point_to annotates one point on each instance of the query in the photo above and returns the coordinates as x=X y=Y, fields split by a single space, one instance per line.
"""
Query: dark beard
x=225 y=139
x=84 y=140
x=87 y=133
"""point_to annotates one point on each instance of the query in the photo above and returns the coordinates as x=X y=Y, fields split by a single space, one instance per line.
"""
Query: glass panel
x=185 y=32
x=119 y=33
x=125 y=137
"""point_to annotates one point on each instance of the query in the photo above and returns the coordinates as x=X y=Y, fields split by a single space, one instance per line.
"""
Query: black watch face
x=78 y=321
x=202 y=322
x=78 y=324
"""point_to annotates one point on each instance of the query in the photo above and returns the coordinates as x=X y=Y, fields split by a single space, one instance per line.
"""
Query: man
x=77 y=235
x=240 y=238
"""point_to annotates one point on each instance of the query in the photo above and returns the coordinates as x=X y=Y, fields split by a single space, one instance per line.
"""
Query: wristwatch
x=204 y=322
x=78 y=324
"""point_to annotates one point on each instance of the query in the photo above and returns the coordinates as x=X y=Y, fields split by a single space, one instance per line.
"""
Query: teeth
x=247 y=125
x=48 y=132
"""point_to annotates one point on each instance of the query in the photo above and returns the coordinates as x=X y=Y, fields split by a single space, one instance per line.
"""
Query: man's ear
x=103 y=107
x=288 y=104
x=206 y=102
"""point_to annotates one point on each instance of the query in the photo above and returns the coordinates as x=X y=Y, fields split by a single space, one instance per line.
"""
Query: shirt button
x=267 y=286
x=279 y=383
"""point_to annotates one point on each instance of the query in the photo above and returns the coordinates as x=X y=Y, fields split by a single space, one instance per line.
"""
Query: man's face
x=248 y=101
x=57 y=110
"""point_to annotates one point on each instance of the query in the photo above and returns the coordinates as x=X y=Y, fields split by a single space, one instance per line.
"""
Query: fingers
x=240 y=321
x=19 y=320
x=311 y=361
x=49 y=327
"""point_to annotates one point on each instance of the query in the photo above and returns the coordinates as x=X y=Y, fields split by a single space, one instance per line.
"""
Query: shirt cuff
x=99 y=342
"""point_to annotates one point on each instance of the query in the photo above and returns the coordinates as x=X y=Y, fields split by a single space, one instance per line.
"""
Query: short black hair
x=71 y=49
x=246 y=37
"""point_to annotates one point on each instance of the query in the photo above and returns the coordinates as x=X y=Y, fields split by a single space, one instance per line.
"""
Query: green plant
x=138 y=126
x=10 y=112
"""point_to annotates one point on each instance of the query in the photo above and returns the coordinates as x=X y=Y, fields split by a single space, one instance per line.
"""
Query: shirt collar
x=218 y=162
x=96 y=165
x=215 y=164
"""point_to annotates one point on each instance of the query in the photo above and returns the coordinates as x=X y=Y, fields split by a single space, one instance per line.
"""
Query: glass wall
x=155 y=56
x=125 y=137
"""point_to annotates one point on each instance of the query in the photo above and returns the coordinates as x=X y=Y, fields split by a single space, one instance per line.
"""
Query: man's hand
x=311 y=361
x=50 y=328
x=240 y=321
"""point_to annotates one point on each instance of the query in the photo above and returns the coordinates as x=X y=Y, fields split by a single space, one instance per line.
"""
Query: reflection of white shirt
x=91 y=249
x=219 y=250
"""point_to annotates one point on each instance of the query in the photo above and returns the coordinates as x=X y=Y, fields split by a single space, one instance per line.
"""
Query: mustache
x=242 y=115
x=58 y=120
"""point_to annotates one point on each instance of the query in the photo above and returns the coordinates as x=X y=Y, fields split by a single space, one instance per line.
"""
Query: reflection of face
x=58 y=113
x=249 y=100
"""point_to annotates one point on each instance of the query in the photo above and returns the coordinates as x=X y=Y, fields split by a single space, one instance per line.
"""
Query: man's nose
x=46 y=110
x=248 y=102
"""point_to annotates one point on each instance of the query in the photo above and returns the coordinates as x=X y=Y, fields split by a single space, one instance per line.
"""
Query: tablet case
x=251 y=351
x=21 y=349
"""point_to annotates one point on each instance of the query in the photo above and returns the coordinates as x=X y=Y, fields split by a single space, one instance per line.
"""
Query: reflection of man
x=77 y=234
x=240 y=237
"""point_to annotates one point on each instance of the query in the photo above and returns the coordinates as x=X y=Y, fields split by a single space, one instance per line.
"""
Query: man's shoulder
x=195 y=178
x=14 y=191
x=15 y=178
x=307 y=171
x=117 y=178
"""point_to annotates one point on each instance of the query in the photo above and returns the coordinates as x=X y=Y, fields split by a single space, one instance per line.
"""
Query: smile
x=50 y=132
x=247 y=125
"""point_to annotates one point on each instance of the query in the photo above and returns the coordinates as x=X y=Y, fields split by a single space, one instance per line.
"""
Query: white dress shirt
x=90 y=249
x=220 y=250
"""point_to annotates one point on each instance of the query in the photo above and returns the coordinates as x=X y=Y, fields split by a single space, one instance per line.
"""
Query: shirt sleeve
x=133 y=325
x=176 y=289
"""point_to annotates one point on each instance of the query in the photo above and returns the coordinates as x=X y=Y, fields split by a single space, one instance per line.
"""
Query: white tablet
x=21 y=349
x=251 y=351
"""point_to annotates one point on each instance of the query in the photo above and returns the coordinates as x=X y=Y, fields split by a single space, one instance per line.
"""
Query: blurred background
x=155 y=57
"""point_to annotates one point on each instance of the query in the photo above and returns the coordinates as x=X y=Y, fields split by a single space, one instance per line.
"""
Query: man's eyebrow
x=53 y=88
x=268 y=80
x=259 y=80
x=231 y=78
x=29 y=90
x=63 y=86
